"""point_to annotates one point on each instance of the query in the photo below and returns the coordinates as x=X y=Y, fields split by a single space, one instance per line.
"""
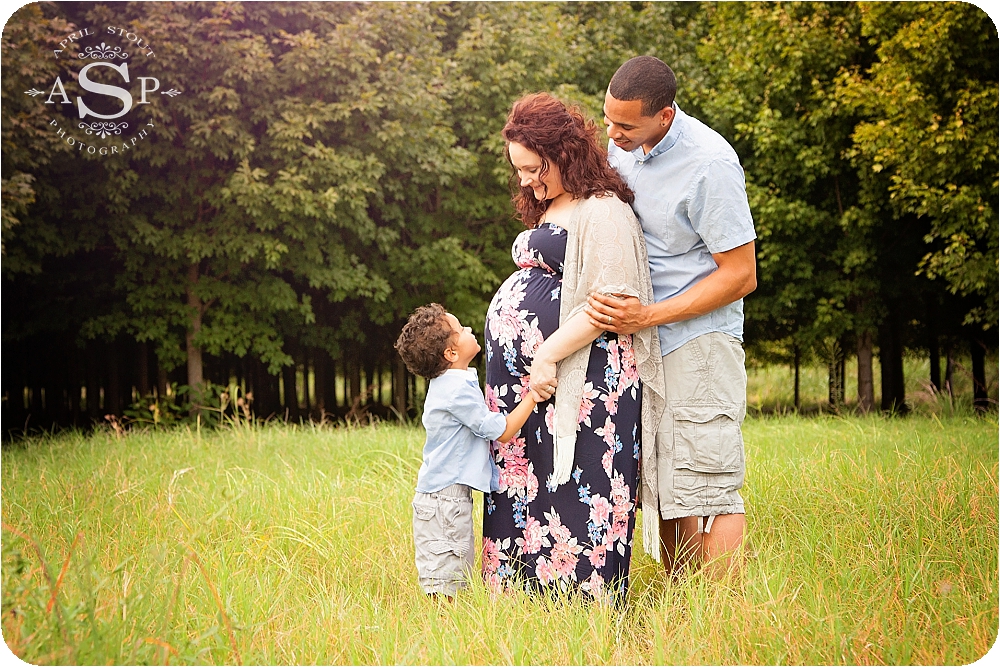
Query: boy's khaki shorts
x=444 y=539
x=699 y=444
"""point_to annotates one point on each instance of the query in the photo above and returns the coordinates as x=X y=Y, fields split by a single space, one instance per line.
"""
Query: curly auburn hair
x=559 y=135
x=423 y=340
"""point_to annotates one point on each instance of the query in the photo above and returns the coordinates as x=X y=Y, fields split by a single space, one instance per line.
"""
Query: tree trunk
x=112 y=391
x=949 y=370
x=798 y=366
x=932 y=346
x=891 y=359
x=142 y=370
x=399 y=387
x=195 y=368
x=866 y=382
x=266 y=400
x=291 y=391
x=329 y=383
x=980 y=399
x=93 y=381
x=14 y=380
x=835 y=387
x=368 y=387
x=354 y=371
x=319 y=358
x=75 y=383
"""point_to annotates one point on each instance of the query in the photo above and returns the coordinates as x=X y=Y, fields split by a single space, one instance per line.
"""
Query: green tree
x=772 y=72
x=930 y=134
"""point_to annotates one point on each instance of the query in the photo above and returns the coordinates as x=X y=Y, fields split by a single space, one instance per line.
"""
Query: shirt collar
x=466 y=374
x=669 y=139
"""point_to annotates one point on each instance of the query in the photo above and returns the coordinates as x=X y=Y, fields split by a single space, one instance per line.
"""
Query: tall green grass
x=871 y=540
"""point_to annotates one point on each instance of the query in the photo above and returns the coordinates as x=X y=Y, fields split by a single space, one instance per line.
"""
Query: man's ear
x=666 y=115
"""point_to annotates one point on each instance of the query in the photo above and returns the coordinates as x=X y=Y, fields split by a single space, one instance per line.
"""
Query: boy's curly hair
x=423 y=340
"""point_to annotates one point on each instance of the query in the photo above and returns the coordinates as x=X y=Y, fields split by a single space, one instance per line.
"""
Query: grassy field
x=872 y=541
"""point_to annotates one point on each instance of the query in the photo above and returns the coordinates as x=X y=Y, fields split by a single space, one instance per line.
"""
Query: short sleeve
x=718 y=208
x=468 y=406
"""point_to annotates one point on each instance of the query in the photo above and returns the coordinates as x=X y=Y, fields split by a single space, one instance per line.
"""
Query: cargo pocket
x=708 y=454
x=438 y=523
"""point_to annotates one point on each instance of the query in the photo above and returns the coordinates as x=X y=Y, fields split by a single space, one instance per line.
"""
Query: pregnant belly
x=523 y=312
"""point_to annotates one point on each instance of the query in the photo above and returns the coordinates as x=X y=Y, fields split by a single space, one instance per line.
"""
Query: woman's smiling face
x=529 y=172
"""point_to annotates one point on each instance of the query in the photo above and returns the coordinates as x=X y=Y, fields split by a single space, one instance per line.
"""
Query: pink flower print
x=545 y=571
x=550 y=418
x=514 y=478
x=630 y=375
x=491 y=399
x=534 y=537
x=614 y=358
x=608 y=461
x=532 y=339
x=521 y=252
x=565 y=552
x=564 y=558
x=595 y=586
x=622 y=506
x=557 y=530
x=506 y=325
x=522 y=388
x=491 y=556
x=530 y=484
x=619 y=530
x=511 y=451
x=597 y=555
x=608 y=431
x=620 y=494
x=600 y=509
x=611 y=403
x=587 y=403
x=515 y=471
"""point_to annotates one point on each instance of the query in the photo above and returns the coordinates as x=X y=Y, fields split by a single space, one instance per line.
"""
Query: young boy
x=435 y=345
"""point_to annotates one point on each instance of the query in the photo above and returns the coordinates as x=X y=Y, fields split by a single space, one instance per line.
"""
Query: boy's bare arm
x=516 y=419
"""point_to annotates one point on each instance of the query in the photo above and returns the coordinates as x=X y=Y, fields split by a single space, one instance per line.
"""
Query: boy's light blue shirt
x=690 y=197
x=458 y=425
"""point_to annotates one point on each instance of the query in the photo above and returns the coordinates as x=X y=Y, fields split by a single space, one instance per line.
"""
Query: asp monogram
x=116 y=108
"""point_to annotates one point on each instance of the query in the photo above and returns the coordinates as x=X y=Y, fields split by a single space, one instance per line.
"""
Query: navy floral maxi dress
x=577 y=535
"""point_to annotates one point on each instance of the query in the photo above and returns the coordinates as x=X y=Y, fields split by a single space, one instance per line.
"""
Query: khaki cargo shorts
x=444 y=539
x=699 y=459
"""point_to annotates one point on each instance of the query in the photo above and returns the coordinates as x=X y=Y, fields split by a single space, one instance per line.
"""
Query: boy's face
x=464 y=346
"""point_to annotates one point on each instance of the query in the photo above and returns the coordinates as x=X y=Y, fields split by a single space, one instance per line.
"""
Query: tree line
x=319 y=170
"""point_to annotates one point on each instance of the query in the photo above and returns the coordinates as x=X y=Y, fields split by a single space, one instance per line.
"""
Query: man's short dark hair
x=423 y=340
x=645 y=78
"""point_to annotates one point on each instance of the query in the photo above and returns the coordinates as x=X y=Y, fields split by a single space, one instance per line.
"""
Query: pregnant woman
x=565 y=512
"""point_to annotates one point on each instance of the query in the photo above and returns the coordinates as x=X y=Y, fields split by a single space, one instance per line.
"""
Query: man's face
x=629 y=129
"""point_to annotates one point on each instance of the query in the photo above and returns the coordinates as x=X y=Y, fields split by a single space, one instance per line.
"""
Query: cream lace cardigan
x=606 y=252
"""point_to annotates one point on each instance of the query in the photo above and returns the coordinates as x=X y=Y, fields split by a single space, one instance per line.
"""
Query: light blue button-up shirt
x=458 y=425
x=691 y=199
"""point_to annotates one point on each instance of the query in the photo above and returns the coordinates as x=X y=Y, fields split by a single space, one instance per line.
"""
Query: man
x=690 y=196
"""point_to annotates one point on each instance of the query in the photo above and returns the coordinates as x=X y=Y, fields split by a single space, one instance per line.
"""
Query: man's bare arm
x=734 y=279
